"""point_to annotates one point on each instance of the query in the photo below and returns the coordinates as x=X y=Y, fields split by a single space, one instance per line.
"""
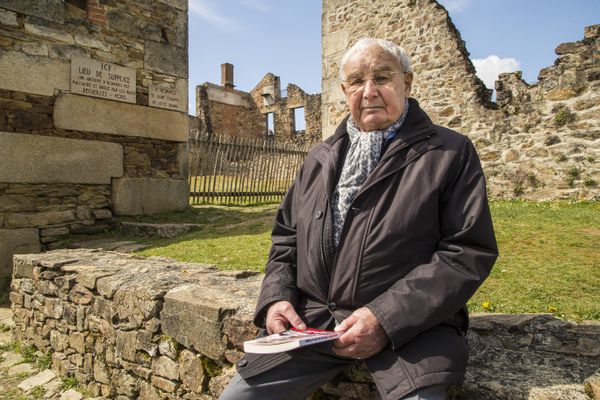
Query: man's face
x=375 y=89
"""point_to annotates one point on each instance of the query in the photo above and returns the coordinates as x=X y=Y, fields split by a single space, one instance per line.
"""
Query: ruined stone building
x=93 y=117
x=540 y=141
x=262 y=112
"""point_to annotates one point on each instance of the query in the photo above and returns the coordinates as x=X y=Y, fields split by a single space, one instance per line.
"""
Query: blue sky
x=284 y=37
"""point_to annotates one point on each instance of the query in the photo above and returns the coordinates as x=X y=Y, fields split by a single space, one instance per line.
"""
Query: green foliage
x=522 y=179
x=27 y=352
x=573 y=173
x=4 y=328
x=44 y=361
x=68 y=382
x=564 y=116
x=590 y=182
x=37 y=393
x=210 y=367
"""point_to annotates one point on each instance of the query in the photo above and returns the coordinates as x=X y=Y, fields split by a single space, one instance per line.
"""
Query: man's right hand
x=280 y=315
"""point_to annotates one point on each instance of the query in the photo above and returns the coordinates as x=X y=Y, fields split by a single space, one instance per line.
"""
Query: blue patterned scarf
x=361 y=159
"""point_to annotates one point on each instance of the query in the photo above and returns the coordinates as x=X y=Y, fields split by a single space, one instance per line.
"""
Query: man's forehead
x=371 y=59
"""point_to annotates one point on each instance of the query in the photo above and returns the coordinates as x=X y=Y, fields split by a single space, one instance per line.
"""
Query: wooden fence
x=233 y=170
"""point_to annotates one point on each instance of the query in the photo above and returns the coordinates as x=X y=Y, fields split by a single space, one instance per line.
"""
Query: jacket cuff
x=396 y=339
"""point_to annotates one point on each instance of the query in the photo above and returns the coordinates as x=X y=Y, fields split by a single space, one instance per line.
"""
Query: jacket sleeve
x=432 y=293
x=279 y=282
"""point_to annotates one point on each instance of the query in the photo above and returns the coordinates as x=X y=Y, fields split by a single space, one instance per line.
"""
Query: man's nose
x=370 y=89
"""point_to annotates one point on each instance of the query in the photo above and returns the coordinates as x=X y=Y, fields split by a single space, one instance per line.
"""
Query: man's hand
x=363 y=335
x=280 y=315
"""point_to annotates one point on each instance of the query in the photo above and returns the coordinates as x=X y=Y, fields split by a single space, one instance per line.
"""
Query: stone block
x=191 y=372
x=37 y=380
x=165 y=58
x=336 y=42
x=116 y=118
x=125 y=345
x=38 y=219
x=193 y=315
x=8 y=18
x=164 y=384
x=33 y=74
x=49 y=10
x=58 y=160
x=139 y=196
x=165 y=367
x=15 y=241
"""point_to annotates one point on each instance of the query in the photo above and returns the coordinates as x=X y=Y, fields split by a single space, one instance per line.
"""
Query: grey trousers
x=298 y=378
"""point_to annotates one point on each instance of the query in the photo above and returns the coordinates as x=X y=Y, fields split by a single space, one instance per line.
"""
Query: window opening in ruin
x=270 y=124
x=299 y=120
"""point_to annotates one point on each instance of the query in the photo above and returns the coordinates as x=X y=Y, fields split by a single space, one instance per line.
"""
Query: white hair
x=391 y=48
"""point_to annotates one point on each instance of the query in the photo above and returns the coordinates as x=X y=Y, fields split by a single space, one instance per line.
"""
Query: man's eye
x=381 y=79
x=356 y=82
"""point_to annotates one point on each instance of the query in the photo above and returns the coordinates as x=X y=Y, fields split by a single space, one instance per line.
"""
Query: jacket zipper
x=354 y=209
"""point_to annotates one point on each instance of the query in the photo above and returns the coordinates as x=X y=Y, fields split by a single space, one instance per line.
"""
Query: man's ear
x=343 y=88
x=408 y=78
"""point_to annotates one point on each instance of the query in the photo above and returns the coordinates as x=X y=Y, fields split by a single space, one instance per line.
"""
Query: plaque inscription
x=163 y=96
x=100 y=79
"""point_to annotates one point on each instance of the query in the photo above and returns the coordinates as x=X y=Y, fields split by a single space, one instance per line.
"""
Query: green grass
x=231 y=237
x=549 y=259
x=68 y=382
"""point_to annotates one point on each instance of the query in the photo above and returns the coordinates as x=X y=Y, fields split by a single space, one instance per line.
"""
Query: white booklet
x=288 y=340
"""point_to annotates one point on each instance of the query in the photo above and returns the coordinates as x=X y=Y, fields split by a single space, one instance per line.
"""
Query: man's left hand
x=363 y=335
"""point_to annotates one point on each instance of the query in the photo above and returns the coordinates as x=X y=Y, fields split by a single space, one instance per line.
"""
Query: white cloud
x=212 y=17
x=455 y=5
x=256 y=4
x=490 y=67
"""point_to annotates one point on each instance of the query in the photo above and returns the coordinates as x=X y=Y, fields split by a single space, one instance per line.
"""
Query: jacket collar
x=417 y=123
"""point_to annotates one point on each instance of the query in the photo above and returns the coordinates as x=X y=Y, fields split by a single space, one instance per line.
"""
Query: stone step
x=157 y=230
x=41 y=378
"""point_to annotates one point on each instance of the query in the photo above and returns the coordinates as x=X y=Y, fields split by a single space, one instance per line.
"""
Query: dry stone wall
x=128 y=327
x=536 y=141
x=71 y=156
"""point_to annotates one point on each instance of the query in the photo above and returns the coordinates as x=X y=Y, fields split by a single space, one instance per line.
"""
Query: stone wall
x=537 y=141
x=225 y=110
x=69 y=162
x=129 y=327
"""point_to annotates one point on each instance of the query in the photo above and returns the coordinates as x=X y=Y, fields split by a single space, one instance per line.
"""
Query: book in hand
x=288 y=340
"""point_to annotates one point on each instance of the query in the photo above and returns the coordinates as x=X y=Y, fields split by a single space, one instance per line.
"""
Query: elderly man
x=384 y=236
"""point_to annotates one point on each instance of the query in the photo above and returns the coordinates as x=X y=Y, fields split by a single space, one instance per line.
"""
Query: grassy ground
x=549 y=259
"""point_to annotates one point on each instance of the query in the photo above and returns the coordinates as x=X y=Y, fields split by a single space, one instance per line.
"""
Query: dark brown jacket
x=417 y=242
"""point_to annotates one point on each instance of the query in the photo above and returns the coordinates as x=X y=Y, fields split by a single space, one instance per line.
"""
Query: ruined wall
x=227 y=111
x=129 y=327
x=223 y=110
x=514 y=137
x=549 y=144
x=93 y=101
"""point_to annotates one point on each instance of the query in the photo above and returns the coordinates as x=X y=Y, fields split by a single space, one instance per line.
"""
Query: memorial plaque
x=100 y=79
x=164 y=96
